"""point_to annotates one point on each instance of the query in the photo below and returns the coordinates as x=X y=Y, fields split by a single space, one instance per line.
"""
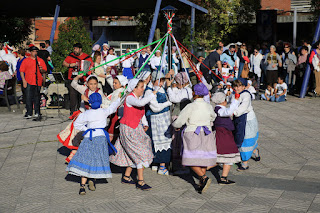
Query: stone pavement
x=287 y=179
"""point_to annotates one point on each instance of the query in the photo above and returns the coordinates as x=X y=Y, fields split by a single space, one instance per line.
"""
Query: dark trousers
x=32 y=94
x=74 y=96
x=272 y=76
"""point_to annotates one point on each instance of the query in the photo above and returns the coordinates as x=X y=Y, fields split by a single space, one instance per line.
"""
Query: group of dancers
x=163 y=119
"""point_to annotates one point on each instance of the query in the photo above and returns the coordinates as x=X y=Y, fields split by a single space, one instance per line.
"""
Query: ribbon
x=112 y=150
x=205 y=129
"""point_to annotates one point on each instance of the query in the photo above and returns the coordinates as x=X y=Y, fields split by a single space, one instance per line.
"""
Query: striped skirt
x=134 y=148
x=199 y=150
x=250 y=141
x=91 y=159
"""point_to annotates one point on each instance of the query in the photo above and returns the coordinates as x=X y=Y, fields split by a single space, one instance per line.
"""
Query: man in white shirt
x=281 y=91
x=48 y=47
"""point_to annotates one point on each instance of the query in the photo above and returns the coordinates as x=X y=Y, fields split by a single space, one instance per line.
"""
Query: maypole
x=169 y=13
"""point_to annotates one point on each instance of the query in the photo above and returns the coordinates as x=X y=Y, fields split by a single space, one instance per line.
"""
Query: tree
x=70 y=32
x=214 y=26
x=15 y=30
x=315 y=9
x=223 y=19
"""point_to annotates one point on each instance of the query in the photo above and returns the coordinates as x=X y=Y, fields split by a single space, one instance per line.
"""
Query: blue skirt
x=91 y=159
x=127 y=72
x=250 y=141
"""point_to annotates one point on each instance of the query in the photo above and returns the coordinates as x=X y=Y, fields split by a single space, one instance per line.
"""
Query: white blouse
x=245 y=105
x=227 y=112
x=155 y=106
x=177 y=95
x=197 y=113
x=111 y=57
x=95 y=118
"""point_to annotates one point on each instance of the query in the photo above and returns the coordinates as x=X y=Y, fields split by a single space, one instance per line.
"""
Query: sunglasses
x=286 y=47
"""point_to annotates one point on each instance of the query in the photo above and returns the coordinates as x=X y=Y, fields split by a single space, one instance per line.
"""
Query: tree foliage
x=315 y=9
x=223 y=18
x=70 y=32
x=15 y=29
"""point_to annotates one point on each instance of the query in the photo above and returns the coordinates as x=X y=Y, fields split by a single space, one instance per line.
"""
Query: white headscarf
x=90 y=76
x=123 y=80
x=218 y=97
x=132 y=84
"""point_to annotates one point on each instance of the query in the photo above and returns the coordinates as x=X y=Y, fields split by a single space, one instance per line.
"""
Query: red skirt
x=225 y=141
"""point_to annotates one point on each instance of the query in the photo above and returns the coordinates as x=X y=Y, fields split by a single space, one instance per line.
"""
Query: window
x=131 y=46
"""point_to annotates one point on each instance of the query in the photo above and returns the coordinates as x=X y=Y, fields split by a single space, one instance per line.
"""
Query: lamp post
x=169 y=12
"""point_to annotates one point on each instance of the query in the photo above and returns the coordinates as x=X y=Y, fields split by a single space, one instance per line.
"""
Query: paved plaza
x=287 y=179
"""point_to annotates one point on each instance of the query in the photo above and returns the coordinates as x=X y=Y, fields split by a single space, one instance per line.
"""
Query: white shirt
x=12 y=60
x=255 y=61
x=227 y=112
x=2 y=53
x=245 y=105
x=95 y=118
x=109 y=58
x=197 y=113
x=49 y=49
x=127 y=63
x=177 y=95
x=133 y=100
x=225 y=72
x=253 y=92
x=155 y=61
x=281 y=88
x=269 y=92
x=315 y=62
x=82 y=88
x=155 y=106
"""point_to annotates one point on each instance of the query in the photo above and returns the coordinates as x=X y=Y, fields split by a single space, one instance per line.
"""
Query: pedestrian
x=210 y=63
x=159 y=119
x=31 y=71
x=119 y=84
x=246 y=132
x=199 y=147
x=48 y=47
x=113 y=62
x=273 y=62
x=69 y=137
x=127 y=65
x=92 y=158
x=134 y=145
x=289 y=60
x=230 y=56
x=73 y=62
x=316 y=68
x=255 y=64
x=21 y=57
x=227 y=151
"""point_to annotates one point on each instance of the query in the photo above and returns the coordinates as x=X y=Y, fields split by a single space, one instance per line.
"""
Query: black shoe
x=82 y=190
x=257 y=158
x=129 y=181
x=92 y=185
x=37 y=118
x=204 y=184
x=144 y=187
x=241 y=168
x=27 y=116
x=225 y=181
